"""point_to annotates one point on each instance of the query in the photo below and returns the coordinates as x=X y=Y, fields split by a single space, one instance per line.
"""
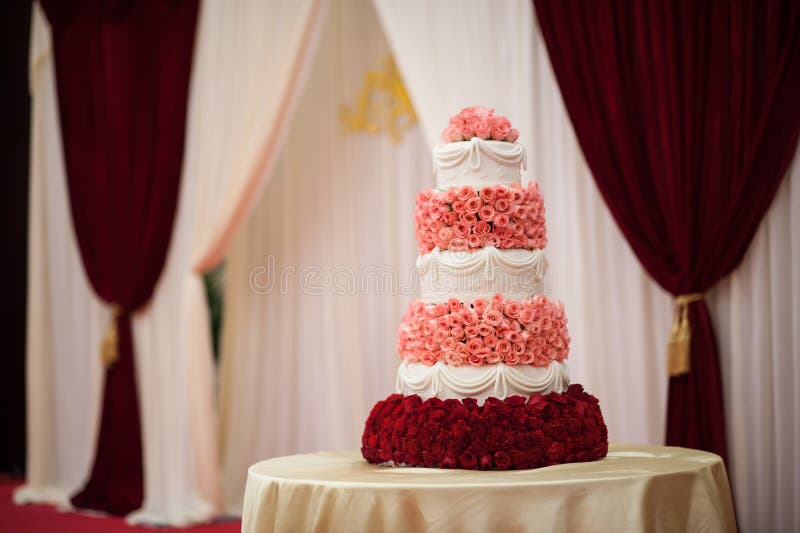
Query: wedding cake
x=483 y=382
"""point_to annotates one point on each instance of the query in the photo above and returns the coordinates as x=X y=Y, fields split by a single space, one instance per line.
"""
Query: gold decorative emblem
x=383 y=105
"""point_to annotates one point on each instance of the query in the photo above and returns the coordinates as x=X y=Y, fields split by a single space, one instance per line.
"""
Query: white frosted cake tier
x=480 y=382
x=478 y=163
x=482 y=273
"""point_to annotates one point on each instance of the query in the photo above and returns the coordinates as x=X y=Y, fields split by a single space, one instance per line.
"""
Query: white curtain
x=249 y=64
x=303 y=363
x=65 y=320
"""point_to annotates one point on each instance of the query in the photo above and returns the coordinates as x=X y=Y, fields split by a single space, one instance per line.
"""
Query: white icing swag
x=499 y=381
x=501 y=152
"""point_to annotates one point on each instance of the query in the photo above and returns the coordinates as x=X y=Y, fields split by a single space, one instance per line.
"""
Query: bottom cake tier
x=514 y=433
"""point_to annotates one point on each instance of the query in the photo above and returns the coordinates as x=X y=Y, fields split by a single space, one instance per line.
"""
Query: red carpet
x=44 y=518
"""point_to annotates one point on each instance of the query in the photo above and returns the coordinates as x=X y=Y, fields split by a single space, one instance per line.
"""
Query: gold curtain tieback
x=109 y=349
x=680 y=337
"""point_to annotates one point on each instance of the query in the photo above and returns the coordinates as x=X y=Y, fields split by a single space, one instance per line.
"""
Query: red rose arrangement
x=515 y=433
x=481 y=122
x=527 y=332
x=461 y=218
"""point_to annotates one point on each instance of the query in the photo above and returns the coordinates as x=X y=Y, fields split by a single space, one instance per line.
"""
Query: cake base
x=514 y=433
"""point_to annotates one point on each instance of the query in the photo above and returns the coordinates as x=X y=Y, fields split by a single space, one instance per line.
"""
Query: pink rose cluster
x=462 y=219
x=478 y=121
x=527 y=332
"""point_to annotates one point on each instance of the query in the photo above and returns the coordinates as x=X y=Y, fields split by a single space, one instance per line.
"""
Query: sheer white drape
x=756 y=313
x=65 y=320
x=303 y=364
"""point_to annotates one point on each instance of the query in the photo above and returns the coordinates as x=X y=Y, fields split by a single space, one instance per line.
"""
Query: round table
x=635 y=488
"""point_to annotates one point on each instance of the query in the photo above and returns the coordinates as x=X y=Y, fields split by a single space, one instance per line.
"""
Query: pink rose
x=445 y=234
x=448 y=343
x=480 y=305
x=490 y=341
x=453 y=358
x=501 y=220
x=501 y=128
x=491 y=240
x=473 y=204
x=429 y=358
x=454 y=304
x=440 y=335
x=466 y=132
x=492 y=358
x=482 y=228
x=453 y=133
x=512 y=136
x=502 y=205
x=493 y=317
x=484 y=328
x=482 y=130
x=449 y=218
x=439 y=310
x=457 y=245
x=469 y=218
x=503 y=346
x=461 y=229
x=486 y=213
x=474 y=241
x=469 y=316
x=500 y=191
x=513 y=359
x=466 y=192
x=457 y=332
x=512 y=309
x=475 y=360
x=474 y=344
x=459 y=206
x=470 y=331
x=487 y=194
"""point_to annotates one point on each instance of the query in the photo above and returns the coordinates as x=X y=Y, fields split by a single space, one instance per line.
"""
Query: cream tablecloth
x=636 y=488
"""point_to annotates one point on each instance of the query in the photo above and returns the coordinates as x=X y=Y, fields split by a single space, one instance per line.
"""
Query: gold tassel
x=109 y=349
x=680 y=336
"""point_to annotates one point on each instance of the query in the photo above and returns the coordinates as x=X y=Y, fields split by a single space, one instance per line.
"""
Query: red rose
x=502 y=460
x=556 y=451
x=486 y=462
x=468 y=460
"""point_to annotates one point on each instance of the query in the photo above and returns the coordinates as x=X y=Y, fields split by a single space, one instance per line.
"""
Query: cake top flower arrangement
x=481 y=122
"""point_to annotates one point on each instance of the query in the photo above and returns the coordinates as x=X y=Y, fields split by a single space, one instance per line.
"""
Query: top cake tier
x=480 y=149
x=478 y=163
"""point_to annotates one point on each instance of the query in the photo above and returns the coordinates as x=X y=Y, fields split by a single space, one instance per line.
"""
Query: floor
x=44 y=518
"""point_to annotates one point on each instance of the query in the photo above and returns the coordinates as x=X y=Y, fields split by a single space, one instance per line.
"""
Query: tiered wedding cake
x=483 y=382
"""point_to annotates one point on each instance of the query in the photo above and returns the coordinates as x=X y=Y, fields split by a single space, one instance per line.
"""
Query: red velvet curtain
x=687 y=112
x=122 y=70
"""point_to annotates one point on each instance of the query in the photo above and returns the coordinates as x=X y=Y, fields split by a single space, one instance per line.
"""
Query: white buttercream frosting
x=478 y=163
x=480 y=382
x=481 y=273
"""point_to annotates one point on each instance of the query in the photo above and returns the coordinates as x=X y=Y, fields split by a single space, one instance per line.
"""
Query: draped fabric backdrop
x=123 y=145
x=688 y=139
